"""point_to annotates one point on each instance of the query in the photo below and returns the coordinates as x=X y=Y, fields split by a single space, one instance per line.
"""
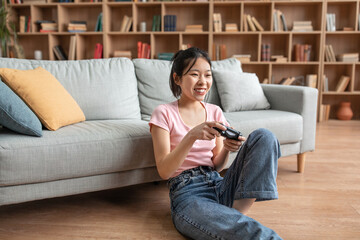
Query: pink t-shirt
x=167 y=117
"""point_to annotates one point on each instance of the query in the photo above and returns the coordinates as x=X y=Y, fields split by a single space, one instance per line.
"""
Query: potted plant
x=7 y=29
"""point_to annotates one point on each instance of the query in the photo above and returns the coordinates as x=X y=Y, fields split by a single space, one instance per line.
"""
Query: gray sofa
x=113 y=147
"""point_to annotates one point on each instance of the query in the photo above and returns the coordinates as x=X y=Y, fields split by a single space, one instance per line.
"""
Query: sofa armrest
x=300 y=100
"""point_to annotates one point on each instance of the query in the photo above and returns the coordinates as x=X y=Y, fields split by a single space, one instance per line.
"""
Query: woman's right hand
x=206 y=131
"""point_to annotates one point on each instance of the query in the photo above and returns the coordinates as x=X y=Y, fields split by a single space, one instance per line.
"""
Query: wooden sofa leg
x=301 y=162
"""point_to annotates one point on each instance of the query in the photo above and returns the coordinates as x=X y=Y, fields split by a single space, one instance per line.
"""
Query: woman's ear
x=176 y=79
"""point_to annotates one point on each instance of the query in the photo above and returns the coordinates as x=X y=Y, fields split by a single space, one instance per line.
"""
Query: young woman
x=190 y=153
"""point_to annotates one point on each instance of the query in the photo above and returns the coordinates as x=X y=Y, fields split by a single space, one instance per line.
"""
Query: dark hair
x=181 y=60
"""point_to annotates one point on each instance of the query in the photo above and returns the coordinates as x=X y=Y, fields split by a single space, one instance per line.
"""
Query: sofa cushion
x=153 y=84
x=47 y=98
x=103 y=88
x=79 y=150
x=287 y=126
x=240 y=91
x=231 y=65
x=15 y=115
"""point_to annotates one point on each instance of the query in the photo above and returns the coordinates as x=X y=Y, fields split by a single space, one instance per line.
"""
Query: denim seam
x=196 y=225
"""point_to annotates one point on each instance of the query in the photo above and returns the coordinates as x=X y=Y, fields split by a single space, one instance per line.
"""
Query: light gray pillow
x=153 y=84
x=240 y=91
x=229 y=64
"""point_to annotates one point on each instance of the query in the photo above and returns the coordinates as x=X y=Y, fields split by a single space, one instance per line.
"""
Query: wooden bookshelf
x=345 y=39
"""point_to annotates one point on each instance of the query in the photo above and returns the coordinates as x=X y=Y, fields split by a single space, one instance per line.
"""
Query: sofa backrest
x=103 y=88
x=153 y=82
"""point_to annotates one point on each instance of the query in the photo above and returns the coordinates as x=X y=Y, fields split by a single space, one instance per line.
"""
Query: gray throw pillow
x=153 y=84
x=16 y=115
x=240 y=91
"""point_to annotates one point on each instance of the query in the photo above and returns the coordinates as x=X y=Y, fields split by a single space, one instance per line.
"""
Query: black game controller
x=229 y=133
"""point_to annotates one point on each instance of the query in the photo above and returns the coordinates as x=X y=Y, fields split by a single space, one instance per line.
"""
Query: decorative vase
x=344 y=111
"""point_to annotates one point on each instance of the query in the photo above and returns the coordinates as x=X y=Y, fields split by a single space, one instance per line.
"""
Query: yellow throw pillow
x=46 y=97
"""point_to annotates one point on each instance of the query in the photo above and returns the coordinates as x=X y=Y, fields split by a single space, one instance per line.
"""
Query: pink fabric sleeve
x=160 y=118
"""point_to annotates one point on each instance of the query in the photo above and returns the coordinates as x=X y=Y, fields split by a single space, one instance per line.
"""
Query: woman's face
x=196 y=82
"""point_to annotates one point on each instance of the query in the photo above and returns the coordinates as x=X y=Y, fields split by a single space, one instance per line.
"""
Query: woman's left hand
x=233 y=145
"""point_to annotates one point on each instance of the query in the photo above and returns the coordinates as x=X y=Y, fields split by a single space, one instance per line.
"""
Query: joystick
x=229 y=133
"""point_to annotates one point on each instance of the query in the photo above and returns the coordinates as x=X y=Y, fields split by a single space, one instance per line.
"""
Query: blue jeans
x=201 y=200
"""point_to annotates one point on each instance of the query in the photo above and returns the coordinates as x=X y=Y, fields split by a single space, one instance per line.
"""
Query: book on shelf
x=231 y=27
x=279 y=58
x=330 y=22
x=265 y=81
x=98 y=25
x=98 y=52
x=325 y=86
x=287 y=81
x=342 y=83
x=329 y=53
x=194 y=28
x=25 y=24
x=250 y=23
x=165 y=56
x=143 y=50
x=217 y=22
x=302 y=52
x=123 y=53
x=257 y=24
x=59 y=52
x=72 y=48
x=245 y=25
x=302 y=26
x=77 y=26
x=311 y=80
x=243 y=58
x=265 y=52
x=156 y=24
x=324 y=112
x=348 y=57
x=219 y=51
x=170 y=23
x=126 y=23
x=279 y=22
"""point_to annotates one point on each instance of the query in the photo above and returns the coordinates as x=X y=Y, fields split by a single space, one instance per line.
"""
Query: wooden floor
x=322 y=203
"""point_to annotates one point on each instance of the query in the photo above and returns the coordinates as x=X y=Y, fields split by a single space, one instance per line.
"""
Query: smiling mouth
x=200 y=90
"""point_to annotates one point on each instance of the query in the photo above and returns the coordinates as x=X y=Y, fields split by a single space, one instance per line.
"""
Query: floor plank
x=322 y=203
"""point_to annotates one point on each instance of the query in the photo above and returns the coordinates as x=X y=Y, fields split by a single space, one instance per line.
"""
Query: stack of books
x=302 y=26
x=279 y=58
x=165 y=56
x=194 y=28
x=126 y=23
x=77 y=26
x=265 y=52
x=122 y=53
x=243 y=58
x=231 y=27
x=311 y=80
x=47 y=26
x=348 y=57
x=170 y=23
x=302 y=52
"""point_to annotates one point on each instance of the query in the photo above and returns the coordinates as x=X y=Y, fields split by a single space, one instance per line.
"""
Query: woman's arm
x=167 y=162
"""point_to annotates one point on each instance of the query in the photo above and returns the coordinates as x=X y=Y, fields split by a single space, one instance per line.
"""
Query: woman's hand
x=206 y=131
x=233 y=145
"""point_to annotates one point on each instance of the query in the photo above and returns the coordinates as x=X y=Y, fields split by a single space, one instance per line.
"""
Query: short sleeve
x=160 y=118
x=219 y=116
